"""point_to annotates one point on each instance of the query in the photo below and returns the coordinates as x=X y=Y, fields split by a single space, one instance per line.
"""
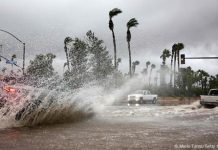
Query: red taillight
x=12 y=90
x=9 y=89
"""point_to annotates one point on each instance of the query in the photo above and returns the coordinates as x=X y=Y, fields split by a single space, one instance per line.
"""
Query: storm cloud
x=43 y=25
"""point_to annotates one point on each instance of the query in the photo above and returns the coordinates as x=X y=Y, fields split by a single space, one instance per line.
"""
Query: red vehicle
x=7 y=89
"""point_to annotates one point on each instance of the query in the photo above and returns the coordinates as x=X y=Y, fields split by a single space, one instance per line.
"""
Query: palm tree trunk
x=178 y=61
x=130 y=60
x=115 y=50
x=171 y=67
x=174 y=70
x=67 y=58
x=133 y=70
x=150 y=77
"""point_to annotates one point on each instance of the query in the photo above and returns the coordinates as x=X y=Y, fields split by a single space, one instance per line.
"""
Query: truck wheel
x=141 y=100
x=154 y=101
x=209 y=106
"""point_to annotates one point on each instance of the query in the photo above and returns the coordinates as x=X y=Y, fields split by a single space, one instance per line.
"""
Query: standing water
x=39 y=118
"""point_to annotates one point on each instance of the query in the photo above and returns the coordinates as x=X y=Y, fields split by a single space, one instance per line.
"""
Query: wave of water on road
x=42 y=106
x=157 y=112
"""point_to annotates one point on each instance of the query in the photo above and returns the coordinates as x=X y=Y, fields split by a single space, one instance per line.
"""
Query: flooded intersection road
x=122 y=127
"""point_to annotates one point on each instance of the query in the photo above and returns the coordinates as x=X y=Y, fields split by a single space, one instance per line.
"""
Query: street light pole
x=24 y=51
x=0 y=48
x=23 y=47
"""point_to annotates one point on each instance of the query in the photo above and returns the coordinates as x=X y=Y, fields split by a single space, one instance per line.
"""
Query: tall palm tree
x=173 y=60
x=67 y=40
x=146 y=69
x=153 y=66
x=165 y=54
x=180 y=46
x=134 y=64
x=174 y=66
x=113 y=13
x=131 y=23
x=171 y=66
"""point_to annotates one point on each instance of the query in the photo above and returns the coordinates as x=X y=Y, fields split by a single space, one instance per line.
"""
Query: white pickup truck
x=210 y=100
x=141 y=97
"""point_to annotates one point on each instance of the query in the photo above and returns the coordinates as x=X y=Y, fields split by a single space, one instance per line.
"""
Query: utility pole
x=0 y=50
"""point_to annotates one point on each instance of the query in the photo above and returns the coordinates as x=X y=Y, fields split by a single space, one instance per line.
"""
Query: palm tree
x=147 y=64
x=113 y=13
x=175 y=53
x=156 y=78
x=131 y=23
x=202 y=76
x=119 y=60
x=174 y=68
x=153 y=66
x=171 y=65
x=134 y=64
x=180 y=46
x=146 y=69
x=173 y=56
x=4 y=70
x=67 y=40
x=12 y=59
x=165 y=54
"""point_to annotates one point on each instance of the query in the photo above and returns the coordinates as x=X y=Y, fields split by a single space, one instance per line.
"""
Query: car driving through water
x=142 y=97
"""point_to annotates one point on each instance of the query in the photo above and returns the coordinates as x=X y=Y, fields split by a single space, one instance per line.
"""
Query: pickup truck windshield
x=144 y=92
x=139 y=92
x=214 y=92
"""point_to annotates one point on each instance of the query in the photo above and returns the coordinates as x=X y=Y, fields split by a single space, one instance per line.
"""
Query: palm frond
x=180 y=46
x=114 y=12
x=136 y=62
x=67 y=40
x=153 y=66
x=14 y=56
x=119 y=60
x=148 y=63
x=174 y=47
x=132 y=23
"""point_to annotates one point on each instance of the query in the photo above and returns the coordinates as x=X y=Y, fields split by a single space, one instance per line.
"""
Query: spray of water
x=35 y=106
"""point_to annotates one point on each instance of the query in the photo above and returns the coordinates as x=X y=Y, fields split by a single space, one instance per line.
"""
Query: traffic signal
x=182 y=58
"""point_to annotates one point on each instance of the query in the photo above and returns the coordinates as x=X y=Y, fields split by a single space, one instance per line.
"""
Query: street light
x=20 y=42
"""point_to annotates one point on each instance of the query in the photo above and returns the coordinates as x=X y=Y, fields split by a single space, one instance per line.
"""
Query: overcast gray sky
x=43 y=25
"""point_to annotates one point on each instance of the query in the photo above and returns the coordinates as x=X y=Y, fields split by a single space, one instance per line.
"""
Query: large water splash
x=35 y=106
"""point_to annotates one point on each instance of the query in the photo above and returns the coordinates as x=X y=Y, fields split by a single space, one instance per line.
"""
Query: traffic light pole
x=201 y=57
x=183 y=58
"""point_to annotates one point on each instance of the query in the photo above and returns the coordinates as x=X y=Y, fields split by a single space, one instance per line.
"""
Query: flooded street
x=123 y=127
x=108 y=75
